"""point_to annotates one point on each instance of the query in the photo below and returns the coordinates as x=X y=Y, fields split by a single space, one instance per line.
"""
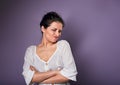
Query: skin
x=45 y=49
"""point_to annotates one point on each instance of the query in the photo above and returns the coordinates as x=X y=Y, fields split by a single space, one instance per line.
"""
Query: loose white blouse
x=62 y=58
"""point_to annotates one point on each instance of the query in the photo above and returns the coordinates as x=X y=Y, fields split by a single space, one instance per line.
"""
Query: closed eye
x=54 y=30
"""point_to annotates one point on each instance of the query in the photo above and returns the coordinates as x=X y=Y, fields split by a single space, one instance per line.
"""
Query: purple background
x=92 y=28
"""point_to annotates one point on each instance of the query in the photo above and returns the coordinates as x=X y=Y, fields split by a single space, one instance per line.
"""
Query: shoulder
x=31 y=47
x=29 y=53
x=63 y=43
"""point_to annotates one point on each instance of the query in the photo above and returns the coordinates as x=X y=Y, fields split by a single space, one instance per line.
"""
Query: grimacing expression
x=53 y=32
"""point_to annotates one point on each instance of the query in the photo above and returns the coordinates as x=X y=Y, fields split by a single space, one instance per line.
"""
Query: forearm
x=56 y=79
x=41 y=76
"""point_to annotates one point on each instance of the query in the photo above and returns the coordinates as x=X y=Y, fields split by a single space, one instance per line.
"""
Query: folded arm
x=48 y=77
x=56 y=79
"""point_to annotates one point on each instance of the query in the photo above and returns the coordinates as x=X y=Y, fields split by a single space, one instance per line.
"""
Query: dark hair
x=49 y=18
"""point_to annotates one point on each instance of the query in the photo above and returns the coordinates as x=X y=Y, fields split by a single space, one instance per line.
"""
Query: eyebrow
x=55 y=28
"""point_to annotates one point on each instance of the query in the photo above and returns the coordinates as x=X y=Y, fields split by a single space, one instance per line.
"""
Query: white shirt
x=61 y=58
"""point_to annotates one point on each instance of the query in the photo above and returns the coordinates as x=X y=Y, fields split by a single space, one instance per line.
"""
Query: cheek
x=60 y=34
x=49 y=34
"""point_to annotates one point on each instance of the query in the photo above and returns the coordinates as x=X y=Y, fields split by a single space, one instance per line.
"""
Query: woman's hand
x=33 y=69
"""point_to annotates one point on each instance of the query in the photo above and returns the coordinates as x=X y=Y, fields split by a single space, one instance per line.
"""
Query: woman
x=50 y=62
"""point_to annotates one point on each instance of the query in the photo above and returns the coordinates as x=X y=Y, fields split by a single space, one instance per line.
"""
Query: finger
x=32 y=68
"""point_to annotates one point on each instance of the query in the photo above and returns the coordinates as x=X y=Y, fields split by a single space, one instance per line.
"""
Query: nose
x=57 y=34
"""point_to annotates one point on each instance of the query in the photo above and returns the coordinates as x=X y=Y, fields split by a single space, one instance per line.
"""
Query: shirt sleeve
x=28 y=60
x=69 y=69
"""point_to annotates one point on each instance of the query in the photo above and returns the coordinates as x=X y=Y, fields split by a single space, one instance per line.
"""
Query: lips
x=56 y=38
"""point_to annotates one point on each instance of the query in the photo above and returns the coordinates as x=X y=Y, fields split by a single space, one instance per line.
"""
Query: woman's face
x=53 y=32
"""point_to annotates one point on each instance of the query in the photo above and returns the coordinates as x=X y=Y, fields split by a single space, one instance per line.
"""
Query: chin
x=54 y=41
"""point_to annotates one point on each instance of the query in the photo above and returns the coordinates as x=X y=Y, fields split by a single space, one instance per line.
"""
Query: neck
x=45 y=43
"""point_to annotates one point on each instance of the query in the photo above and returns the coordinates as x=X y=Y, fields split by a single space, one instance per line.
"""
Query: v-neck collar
x=50 y=56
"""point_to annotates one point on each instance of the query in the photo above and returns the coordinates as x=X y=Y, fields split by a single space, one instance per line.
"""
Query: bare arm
x=41 y=76
x=48 y=77
x=56 y=79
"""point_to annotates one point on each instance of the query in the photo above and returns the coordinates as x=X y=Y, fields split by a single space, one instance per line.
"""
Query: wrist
x=56 y=72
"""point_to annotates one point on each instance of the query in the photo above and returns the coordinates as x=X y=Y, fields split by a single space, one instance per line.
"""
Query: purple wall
x=92 y=28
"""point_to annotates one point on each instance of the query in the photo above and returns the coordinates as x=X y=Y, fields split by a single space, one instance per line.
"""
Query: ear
x=42 y=29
